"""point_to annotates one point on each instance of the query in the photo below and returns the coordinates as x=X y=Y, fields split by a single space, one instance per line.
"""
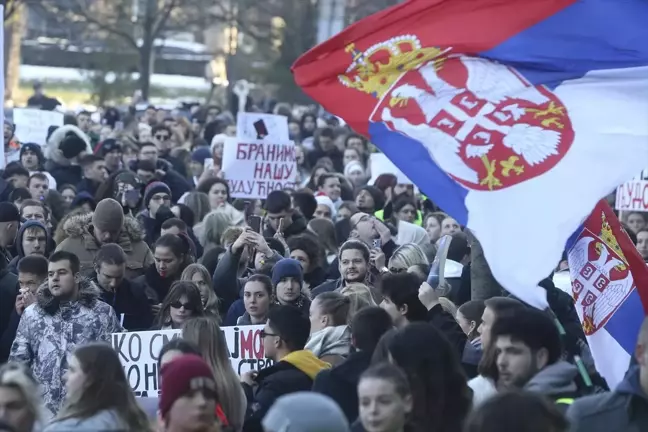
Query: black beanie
x=72 y=145
x=377 y=195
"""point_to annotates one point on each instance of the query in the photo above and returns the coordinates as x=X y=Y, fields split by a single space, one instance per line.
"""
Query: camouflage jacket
x=49 y=331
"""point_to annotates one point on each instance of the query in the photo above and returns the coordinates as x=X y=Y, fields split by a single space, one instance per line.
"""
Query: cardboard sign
x=380 y=164
x=32 y=124
x=139 y=352
x=255 y=168
x=632 y=196
x=262 y=127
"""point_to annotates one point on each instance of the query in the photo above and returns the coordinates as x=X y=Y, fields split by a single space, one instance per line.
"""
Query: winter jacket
x=328 y=286
x=156 y=287
x=315 y=278
x=555 y=381
x=8 y=291
x=89 y=186
x=294 y=373
x=331 y=344
x=83 y=243
x=130 y=303
x=337 y=157
x=388 y=249
x=623 y=410
x=13 y=265
x=298 y=226
x=341 y=382
x=50 y=330
x=57 y=165
x=446 y=324
x=176 y=164
x=103 y=421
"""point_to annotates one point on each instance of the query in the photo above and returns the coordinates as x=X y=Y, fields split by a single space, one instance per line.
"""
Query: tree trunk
x=13 y=31
x=147 y=58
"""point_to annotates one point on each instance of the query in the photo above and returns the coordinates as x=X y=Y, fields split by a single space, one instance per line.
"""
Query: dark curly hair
x=309 y=245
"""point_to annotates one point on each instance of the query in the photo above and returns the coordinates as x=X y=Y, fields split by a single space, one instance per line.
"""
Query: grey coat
x=623 y=410
x=49 y=331
x=103 y=421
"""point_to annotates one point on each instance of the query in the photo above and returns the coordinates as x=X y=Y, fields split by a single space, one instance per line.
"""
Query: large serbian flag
x=610 y=290
x=515 y=117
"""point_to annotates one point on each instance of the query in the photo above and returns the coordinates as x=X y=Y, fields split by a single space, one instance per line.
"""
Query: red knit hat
x=181 y=376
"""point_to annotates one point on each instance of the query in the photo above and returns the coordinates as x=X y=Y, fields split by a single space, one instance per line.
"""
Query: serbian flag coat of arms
x=609 y=284
x=515 y=117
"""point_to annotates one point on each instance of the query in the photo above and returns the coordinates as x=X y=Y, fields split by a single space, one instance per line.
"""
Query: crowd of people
x=105 y=229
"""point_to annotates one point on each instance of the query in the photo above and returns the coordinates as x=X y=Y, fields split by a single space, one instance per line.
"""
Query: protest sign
x=32 y=124
x=380 y=164
x=265 y=127
x=255 y=168
x=632 y=196
x=139 y=352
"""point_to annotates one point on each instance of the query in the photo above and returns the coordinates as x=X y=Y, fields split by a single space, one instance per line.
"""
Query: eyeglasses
x=178 y=305
x=264 y=334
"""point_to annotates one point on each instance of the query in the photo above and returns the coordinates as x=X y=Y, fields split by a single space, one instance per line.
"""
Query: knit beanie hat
x=325 y=200
x=351 y=167
x=305 y=412
x=153 y=188
x=9 y=212
x=200 y=154
x=72 y=145
x=183 y=375
x=377 y=195
x=108 y=216
x=34 y=148
x=287 y=267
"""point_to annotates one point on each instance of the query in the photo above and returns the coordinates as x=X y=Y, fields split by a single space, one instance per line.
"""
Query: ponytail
x=335 y=305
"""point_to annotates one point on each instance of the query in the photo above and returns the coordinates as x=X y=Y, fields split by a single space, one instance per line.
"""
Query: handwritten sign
x=632 y=196
x=263 y=127
x=256 y=168
x=139 y=353
x=32 y=124
x=380 y=164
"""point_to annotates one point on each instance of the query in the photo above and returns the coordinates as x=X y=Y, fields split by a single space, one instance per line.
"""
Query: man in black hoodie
x=127 y=297
x=341 y=382
x=281 y=212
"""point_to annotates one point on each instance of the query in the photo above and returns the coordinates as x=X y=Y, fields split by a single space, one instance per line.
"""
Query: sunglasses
x=178 y=305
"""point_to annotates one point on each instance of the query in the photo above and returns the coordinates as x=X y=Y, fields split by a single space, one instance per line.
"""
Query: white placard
x=380 y=164
x=262 y=127
x=632 y=196
x=255 y=168
x=139 y=352
x=32 y=124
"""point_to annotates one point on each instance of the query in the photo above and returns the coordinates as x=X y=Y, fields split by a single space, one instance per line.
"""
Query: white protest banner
x=262 y=127
x=632 y=196
x=32 y=124
x=255 y=168
x=139 y=352
x=380 y=164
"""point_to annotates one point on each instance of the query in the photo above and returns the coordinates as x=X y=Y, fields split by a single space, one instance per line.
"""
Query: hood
x=631 y=384
x=21 y=232
x=79 y=226
x=52 y=151
x=554 y=379
x=88 y=295
x=306 y=362
x=410 y=233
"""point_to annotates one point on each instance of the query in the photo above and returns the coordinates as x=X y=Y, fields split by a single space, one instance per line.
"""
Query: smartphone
x=377 y=244
x=255 y=223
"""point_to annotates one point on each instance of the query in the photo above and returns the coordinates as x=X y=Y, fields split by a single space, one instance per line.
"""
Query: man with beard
x=66 y=314
x=353 y=259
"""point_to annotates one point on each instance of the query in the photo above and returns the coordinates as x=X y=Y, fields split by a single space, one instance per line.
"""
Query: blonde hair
x=18 y=377
x=206 y=334
x=212 y=301
x=214 y=226
x=406 y=256
x=360 y=296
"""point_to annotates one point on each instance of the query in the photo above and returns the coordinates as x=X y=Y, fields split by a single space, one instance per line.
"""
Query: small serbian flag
x=515 y=117
x=610 y=289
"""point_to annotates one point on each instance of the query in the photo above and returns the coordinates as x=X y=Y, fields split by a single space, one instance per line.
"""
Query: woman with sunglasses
x=182 y=302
